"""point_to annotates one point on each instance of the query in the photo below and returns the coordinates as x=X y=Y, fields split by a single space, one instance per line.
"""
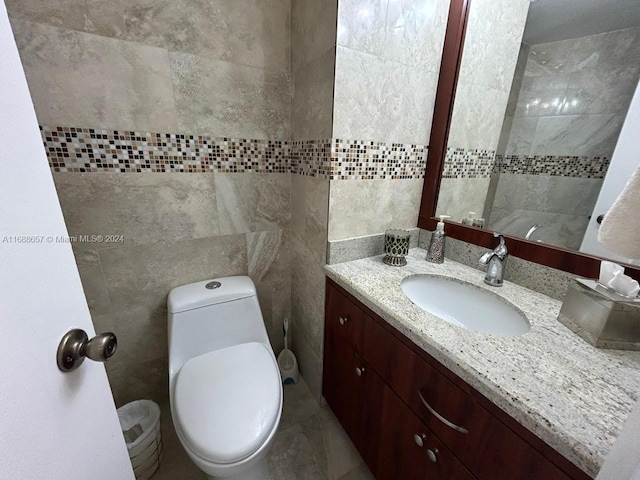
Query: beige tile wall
x=492 y=43
x=387 y=64
x=313 y=42
x=175 y=232
x=209 y=67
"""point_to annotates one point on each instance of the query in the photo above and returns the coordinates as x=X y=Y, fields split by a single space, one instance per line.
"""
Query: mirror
x=542 y=94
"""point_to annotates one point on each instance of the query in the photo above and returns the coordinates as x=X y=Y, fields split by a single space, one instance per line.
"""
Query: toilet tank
x=211 y=315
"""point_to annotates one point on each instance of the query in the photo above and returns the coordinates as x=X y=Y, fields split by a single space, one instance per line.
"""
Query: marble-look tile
x=348 y=249
x=144 y=274
x=361 y=25
x=542 y=96
x=252 y=202
x=557 y=229
x=605 y=50
x=459 y=196
x=317 y=448
x=247 y=32
x=310 y=364
x=589 y=135
x=93 y=284
x=521 y=136
x=492 y=42
x=477 y=117
x=313 y=30
x=225 y=99
x=141 y=207
x=91 y=16
x=113 y=83
x=545 y=193
x=298 y=404
x=269 y=265
x=414 y=32
x=141 y=331
x=309 y=215
x=364 y=207
x=518 y=78
x=138 y=380
x=382 y=100
x=594 y=92
x=312 y=107
x=307 y=297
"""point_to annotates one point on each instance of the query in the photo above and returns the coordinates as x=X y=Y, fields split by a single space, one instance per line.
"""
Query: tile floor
x=310 y=445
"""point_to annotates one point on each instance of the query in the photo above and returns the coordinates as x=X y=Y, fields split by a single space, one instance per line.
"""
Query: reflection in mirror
x=542 y=94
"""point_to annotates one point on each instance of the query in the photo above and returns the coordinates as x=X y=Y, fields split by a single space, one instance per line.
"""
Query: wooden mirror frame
x=580 y=264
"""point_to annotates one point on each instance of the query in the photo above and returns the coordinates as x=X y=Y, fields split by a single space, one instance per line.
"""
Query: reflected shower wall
x=566 y=107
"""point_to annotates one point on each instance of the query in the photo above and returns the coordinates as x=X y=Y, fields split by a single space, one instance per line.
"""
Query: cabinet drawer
x=485 y=445
x=405 y=448
x=346 y=318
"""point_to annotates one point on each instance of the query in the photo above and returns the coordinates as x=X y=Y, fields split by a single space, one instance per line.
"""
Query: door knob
x=75 y=346
x=343 y=320
x=359 y=371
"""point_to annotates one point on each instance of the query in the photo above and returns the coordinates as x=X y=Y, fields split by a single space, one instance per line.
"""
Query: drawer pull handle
x=440 y=417
x=359 y=371
x=419 y=438
x=343 y=320
x=432 y=454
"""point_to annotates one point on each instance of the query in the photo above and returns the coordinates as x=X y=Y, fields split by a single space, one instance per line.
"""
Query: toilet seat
x=227 y=402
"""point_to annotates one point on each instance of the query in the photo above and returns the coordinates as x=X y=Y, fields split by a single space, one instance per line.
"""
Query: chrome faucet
x=495 y=260
x=532 y=230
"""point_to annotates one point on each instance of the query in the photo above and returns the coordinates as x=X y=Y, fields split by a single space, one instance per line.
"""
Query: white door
x=624 y=161
x=53 y=425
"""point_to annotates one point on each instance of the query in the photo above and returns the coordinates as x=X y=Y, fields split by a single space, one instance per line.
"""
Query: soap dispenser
x=435 y=254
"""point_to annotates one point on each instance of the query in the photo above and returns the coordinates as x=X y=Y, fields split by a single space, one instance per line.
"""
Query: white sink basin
x=465 y=305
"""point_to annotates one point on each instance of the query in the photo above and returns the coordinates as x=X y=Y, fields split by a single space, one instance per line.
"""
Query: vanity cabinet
x=410 y=417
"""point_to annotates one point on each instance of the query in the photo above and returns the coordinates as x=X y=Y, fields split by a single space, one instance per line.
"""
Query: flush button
x=213 y=285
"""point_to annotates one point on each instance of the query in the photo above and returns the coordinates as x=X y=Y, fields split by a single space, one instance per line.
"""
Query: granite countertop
x=573 y=396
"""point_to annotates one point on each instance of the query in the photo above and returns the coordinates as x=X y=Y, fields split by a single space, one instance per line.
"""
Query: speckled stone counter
x=573 y=396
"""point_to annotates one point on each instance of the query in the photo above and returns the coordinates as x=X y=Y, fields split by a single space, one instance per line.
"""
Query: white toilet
x=224 y=383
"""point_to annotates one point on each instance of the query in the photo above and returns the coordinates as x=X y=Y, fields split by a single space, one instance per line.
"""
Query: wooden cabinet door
x=343 y=385
x=399 y=446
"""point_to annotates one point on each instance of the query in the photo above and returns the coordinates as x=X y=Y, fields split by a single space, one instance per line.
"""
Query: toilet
x=224 y=383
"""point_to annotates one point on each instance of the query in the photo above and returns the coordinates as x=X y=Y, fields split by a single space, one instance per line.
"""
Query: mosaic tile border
x=311 y=158
x=554 y=165
x=93 y=150
x=468 y=163
x=84 y=150
x=364 y=160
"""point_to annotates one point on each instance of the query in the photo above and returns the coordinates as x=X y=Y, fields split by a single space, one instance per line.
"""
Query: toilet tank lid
x=209 y=292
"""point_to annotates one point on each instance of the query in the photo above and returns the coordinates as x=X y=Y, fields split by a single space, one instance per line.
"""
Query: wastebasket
x=140 y=422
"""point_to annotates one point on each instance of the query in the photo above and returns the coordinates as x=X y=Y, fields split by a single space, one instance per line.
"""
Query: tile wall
x=387 y=63
x=227 y=138
x=562 y=124
x=492 y=44
x=164 y=87
x=313 y=45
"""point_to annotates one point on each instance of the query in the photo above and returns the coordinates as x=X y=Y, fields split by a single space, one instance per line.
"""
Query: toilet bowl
x=224 y=384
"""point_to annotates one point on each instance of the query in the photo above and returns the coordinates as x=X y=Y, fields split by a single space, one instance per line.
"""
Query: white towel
x=620 y=229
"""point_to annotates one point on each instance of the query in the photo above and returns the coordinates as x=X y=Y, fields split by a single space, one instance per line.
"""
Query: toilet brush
x=287 y=360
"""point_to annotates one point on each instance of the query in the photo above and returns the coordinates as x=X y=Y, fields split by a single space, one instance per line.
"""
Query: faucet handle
x=501 y=250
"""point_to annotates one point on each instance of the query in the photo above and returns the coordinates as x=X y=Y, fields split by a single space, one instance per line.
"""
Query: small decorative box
x=600 y=316
x=396 y=247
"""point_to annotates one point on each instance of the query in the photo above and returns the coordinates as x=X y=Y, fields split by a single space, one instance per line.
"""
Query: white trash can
x=140 y=423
